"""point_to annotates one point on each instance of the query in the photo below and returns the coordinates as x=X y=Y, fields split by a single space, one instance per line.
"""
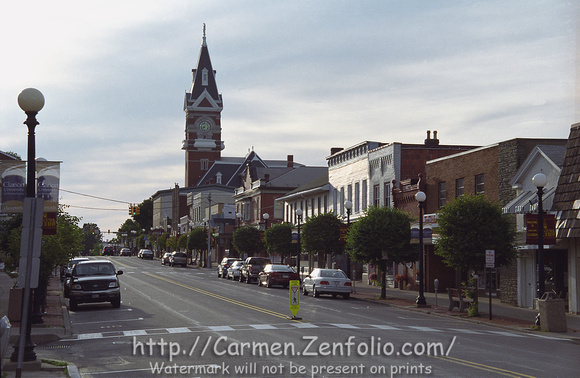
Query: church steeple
x=202 y=106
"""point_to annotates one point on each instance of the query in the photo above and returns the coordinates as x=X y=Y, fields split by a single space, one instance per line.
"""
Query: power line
x=95 y=208
x=91 y=196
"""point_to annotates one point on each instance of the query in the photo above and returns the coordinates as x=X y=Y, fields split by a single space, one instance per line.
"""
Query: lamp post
x=299 y=216
x=540 y=180
x=421 y=197
x=31 y=101
x=266 y=216
x=348 y=206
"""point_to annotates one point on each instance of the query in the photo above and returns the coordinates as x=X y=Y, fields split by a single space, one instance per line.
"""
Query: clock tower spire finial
x=204 y=42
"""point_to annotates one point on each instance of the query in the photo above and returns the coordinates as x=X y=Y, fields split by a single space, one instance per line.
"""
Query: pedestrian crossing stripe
x=289 y=326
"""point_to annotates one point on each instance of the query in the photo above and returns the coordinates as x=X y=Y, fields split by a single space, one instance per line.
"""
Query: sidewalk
x=56 y=326
x=503 y=315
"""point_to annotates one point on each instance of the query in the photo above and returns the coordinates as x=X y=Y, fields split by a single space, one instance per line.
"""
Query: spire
x=203 y=43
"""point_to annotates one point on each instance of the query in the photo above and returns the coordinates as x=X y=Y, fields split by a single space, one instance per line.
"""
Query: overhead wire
x=96 y=197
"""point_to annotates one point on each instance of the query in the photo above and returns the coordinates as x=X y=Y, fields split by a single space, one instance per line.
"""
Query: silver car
x=327 y=281
x=234 y=270
x=178 y=258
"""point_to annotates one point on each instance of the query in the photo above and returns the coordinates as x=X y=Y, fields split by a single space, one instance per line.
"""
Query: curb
x=574 y=339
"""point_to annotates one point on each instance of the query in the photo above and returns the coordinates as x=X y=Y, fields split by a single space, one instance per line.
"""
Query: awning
x=527 y=202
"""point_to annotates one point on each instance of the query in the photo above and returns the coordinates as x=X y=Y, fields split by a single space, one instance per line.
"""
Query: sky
x=297 y=78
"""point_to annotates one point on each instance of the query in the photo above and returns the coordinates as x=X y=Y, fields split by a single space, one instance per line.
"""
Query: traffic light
x=137 y=210
x=130 y=209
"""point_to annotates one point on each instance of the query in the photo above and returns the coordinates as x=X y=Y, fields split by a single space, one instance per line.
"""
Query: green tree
x=145 y=216
x=182 y=242
x=382 y=235
x=470 y=225
x=171 y=243
x=162 y=241
x=321 y=235
x=246 y=239
x=197 y=241
x=278 y=240
x=92 y=236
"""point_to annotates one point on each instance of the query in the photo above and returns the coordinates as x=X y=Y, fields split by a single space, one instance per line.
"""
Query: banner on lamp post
x=13 y=177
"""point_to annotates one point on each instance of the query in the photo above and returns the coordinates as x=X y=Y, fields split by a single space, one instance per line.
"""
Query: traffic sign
x=490 y=258
x=294 y=297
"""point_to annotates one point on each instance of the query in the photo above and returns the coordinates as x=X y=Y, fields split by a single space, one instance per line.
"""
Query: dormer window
x=218 y=178
x=204 y=77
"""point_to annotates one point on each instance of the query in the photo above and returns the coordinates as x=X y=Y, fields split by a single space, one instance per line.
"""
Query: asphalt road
x=177 y=321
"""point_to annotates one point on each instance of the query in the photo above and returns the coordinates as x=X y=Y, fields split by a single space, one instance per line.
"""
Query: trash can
x=552 y=313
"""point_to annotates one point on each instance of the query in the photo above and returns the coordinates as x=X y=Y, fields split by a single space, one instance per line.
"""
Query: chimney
x=290 y=162
x=335 y=150
x=431 y=142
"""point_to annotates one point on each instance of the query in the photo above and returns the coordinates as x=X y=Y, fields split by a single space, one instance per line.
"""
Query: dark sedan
x=274 y=274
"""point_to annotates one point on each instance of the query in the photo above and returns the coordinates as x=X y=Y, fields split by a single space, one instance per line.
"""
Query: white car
x=234 y=270
x=327 y=281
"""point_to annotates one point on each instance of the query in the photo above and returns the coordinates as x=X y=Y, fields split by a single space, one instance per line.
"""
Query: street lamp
x=31 y=101
x=299 y=216
x=421 y=197
x=266 y=216
x=348 y=206
x=540 y=180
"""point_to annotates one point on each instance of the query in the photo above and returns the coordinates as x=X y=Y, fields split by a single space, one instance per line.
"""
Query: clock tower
x=203 y=107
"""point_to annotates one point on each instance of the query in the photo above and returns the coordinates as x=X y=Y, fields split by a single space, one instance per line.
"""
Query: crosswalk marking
x=178 y=330
x=287 y=326
x=221 y=328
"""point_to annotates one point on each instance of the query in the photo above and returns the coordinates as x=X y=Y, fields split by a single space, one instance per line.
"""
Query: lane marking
x=475 y=365
x=221 y=297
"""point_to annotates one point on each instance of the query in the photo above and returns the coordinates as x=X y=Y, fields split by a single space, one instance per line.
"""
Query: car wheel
x=116 y=302
x=315 y=292
x=346 y=296
x=333 y=296
x=304 y=291
x=73 y=305
x=241 y=279
x=248 y=280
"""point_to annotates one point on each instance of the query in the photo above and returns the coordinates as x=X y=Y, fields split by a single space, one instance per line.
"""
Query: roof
x=567 y=197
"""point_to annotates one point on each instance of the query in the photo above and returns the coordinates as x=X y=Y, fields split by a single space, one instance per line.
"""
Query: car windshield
x=237 y=263
x=94 y=269
x=332 y=273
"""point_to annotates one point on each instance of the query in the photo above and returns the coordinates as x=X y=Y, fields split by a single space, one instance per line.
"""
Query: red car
x=274 y=274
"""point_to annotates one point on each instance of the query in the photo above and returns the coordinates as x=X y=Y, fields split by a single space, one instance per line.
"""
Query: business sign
x=13 y=177
x=532 y=230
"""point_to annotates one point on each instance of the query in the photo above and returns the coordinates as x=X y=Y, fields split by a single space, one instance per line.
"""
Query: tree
x=470 y=225
x=145 y=216
x=382 y=235
x=162 y=241
x=278 y=239
x=321 y=234
x=246 y=239
x=197 y=241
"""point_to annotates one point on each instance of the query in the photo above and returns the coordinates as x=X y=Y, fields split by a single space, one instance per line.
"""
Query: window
x=459 y=187
x=442 y=194
x=479 y=184
x=341 y=200
x=335 y=200
x=218 y=178
x=364 y=194
x=376 y=196
x=387 y=195
x=349 y=192
x=204 y=77
x=204 y=164
x=356 y=197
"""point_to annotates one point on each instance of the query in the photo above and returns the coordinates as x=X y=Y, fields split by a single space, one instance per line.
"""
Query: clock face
x=204 y=126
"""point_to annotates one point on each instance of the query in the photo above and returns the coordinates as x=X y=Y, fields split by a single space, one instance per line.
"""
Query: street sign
x=294 y=297
x=490 y=258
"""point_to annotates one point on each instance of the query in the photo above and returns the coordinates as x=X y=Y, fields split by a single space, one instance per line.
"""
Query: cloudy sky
x=297 y=77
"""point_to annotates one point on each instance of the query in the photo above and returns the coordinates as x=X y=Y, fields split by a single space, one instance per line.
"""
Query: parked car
x=234 y=270
x=178 y=258
x=67 y=271
x=145 y=254
x=125 y=252
x=327 y=281
x=274 y=274
x=94 y=281
x=68 y=267
x=165 y=258
x=251 y=267
x=222 y=270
